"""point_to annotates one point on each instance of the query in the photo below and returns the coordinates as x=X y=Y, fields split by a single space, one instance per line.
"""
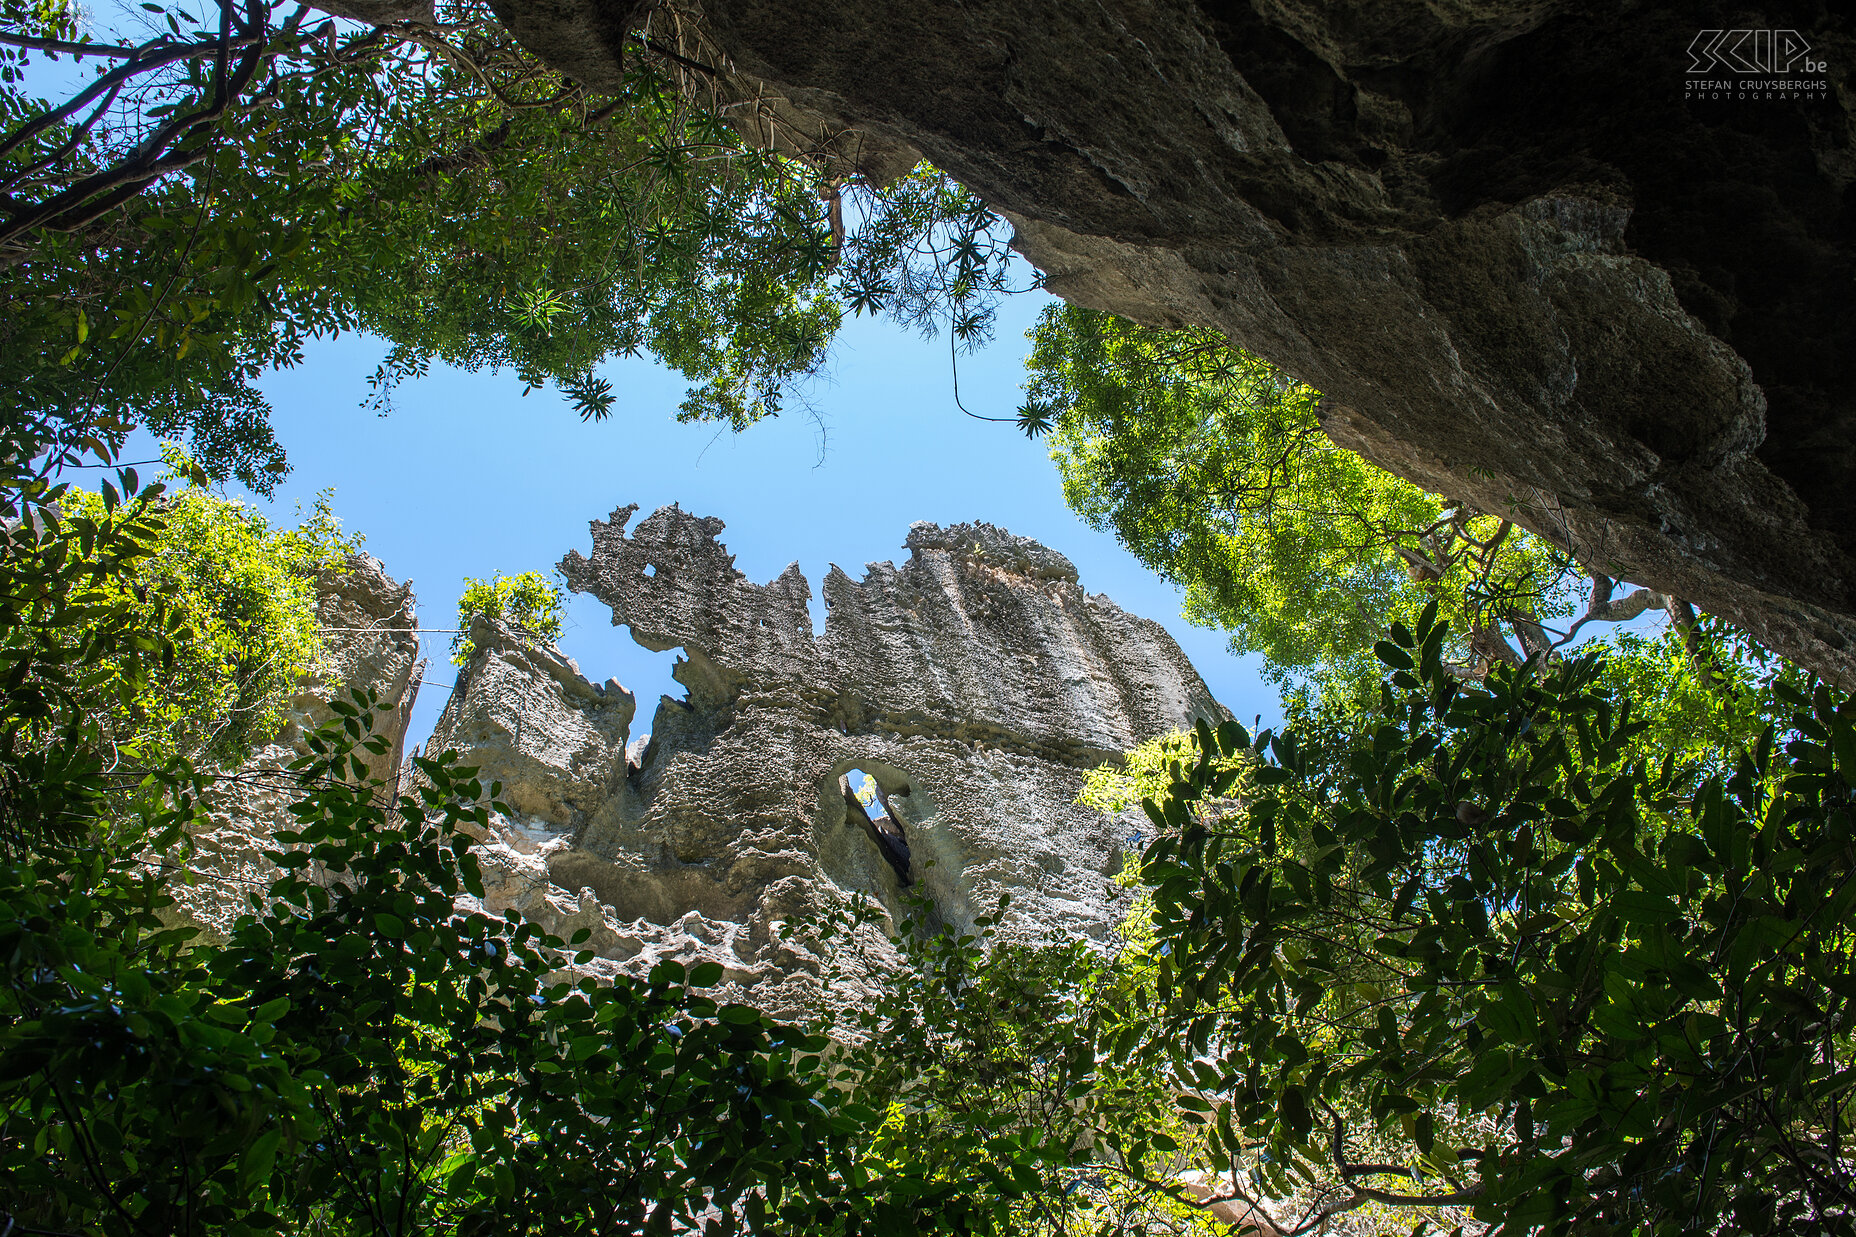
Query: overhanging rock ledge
x=1526 y=264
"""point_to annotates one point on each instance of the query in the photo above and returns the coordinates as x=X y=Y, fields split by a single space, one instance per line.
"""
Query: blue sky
x=467 y=477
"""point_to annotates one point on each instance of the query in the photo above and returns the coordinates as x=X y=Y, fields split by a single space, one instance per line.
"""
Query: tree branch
x=1489 y=644
x=1527 y=628
x=68 y=47
x=161 y=152
x=659 y=49
x=81 y=131
x=163 y=53
x=1601 y=609
x=1683 y=618
x=1455 y=1198
x=473 y=153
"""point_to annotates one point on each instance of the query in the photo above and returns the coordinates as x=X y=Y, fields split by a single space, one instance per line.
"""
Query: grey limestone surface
x=976 y=684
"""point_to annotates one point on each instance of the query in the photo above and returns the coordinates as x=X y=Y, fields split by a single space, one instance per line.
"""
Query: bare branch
x=1628 y=609
x=1422 y=569
x=1601 y=609
x=167 y=148
x=162 y=53
x=68 y=47
x=659 y=49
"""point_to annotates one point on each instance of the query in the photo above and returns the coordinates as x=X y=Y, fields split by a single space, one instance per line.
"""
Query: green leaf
x=259 y=1159
x=1637 y=906
x=1292 y=1110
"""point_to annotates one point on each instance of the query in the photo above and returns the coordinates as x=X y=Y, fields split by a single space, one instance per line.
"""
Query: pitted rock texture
x=531 y=720
x=370 y=622
x=976 y=684
x=980 y=637
x=1524 y=269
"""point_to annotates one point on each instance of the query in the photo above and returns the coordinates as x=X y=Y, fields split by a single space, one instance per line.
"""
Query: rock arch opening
x=867 y=807
x=875 y=830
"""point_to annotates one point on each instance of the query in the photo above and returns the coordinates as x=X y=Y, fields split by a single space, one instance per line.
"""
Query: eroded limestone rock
x=371 y=644
x=530 y=720
x=975 y=683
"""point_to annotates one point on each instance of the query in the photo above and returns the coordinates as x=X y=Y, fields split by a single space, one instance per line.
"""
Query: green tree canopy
x=1496 y=959
x=1213 y=469
x=438 y=186
x=243 y=594
x=141 y=627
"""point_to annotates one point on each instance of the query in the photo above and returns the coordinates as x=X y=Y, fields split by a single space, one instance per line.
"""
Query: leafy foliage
x=441 y=188
x=531 y=601
x=244 y=595
x=361 y=1056
x=75 y=646
x=1147 y=771
x=1576 y=988
x=1213 y=469
x=1704 y=693
x=928 y=253
x=978 y=1062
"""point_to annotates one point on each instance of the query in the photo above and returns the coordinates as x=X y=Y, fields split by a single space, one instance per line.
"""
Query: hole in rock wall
x=650 y=571
x=861 y=800
x=868 y=816
x=867 y=807
x=860 y=803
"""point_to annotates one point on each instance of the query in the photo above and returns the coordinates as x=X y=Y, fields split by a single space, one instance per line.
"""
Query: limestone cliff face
x=975 y=684
x=556 y=741
x=1525 y=270
x=370 y=620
